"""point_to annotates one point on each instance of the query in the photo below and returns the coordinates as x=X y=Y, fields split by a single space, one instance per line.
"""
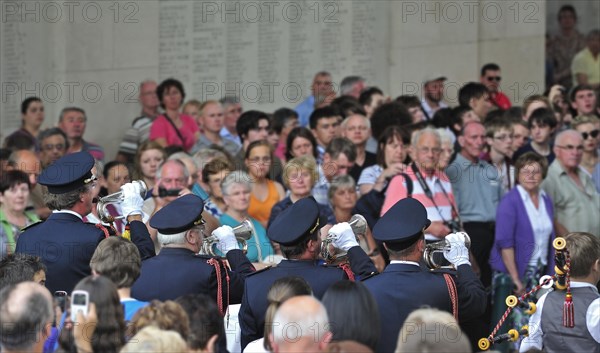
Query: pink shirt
x=162 y=128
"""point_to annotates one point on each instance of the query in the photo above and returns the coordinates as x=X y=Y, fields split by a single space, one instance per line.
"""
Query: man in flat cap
x=404 y=286
x=178 y=269
x=66 y=243
x=297 y=231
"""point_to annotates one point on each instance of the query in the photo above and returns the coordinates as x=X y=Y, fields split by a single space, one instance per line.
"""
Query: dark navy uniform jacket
x=177 y=271
x=403 y=288
x=66 y=245
x=254 y=304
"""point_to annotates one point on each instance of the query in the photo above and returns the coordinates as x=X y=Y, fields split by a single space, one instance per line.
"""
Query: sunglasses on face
x=495 y=78
x=593 y=134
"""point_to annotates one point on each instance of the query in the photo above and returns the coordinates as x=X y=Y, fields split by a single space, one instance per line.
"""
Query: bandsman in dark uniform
x=297 y=231
x=405 y=286
x=178 y=269
x=64 y=242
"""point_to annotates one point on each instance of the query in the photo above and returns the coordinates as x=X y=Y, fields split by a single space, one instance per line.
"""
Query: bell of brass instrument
x=358 y=223
x=434 y=262
x=243 y=232
x=116 y=198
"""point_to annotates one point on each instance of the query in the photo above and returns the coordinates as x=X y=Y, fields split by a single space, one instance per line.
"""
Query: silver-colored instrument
x=116 y=198
x=243 y=232
x=434 y=262
x=358 y=223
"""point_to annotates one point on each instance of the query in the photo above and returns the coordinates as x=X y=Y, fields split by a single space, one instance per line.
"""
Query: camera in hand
x=454 y=226
x=162 y=192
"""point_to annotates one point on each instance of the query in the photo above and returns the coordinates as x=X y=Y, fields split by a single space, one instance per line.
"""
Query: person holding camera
x=431 y=186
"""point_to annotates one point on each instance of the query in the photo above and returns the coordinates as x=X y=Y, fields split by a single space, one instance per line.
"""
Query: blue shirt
x=477 y=188
x=258 y=243
x=304 y=110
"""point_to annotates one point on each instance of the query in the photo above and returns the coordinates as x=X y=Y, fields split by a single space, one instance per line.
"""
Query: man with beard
x=433 y=94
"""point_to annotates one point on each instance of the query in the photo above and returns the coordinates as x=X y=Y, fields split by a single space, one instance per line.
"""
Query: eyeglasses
x=593 y=134
x=61 y=147
x=494 y=78
x=571 y=148
x=434 y=150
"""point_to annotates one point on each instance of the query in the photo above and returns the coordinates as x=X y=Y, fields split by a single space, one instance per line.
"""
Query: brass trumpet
x=440 y=247
x=116 y=198
x=358 y=223
x=243 y=232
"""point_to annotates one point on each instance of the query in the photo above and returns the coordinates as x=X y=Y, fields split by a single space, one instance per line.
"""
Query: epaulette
x=368 y=276
x=259 y=271
x=32 y=225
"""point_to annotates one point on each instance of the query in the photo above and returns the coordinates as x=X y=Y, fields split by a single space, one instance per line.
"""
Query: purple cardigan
x=513 y=230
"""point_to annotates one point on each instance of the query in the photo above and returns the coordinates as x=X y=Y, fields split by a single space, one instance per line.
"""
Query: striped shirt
x=437 y=183
x=138 y=133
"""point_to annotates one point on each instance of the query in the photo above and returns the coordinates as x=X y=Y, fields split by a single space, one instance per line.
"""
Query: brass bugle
x=117 y=198
x=440 y=246
x=243 y=232
x=358 y=223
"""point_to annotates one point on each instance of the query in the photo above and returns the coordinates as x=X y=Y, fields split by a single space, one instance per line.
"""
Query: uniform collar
x=68 y=212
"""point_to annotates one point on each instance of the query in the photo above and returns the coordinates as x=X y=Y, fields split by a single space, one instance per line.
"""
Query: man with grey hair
x=357 y=129
x=352 y=86
x=431 y=186
x=232 y=109
x=575 y=198
x=72 y=122
x=64 y=242
x=338 y=160
x=139 y=132
x=178 y=269
x=300 y=324
x=26 y=316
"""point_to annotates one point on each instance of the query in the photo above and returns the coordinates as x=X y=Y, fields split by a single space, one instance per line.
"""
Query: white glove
x=458 y=254
x=132 y=201
x=344 y=236
x=227 y=240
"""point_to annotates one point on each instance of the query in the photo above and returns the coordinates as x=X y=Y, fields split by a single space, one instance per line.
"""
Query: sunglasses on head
x=495 y=78
x=593 y=134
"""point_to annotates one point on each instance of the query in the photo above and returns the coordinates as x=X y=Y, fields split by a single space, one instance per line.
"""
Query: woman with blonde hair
x=300 y=176
x=589 y=128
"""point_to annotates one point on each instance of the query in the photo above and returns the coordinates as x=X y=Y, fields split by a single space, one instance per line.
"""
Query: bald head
x=27 y=162
x=300 y=324
x=26 y=315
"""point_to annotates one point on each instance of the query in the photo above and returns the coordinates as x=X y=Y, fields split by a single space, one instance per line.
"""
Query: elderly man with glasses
x=576 y=200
